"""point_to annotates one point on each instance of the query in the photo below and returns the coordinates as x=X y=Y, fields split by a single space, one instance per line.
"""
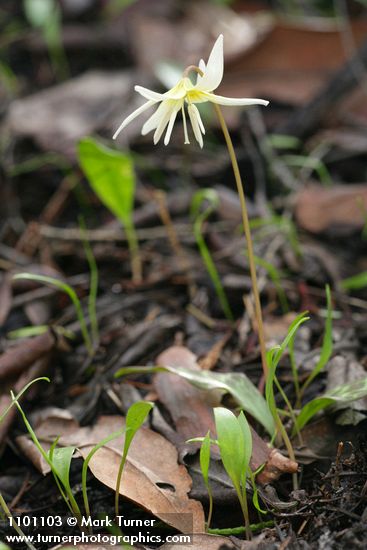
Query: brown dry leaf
x=152 y=477
x=340 y=208
x=191 y=410
x=343 y=370
x=57 y=117
x=294 y=74
x=276 y=328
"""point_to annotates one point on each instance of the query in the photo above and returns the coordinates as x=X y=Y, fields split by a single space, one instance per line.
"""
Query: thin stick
x=246 y=227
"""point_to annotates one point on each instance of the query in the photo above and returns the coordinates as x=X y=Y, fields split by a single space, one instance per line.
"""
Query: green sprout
x=46 y=16
x=111 y=176
x=235 y=445
x=64 y=287
x=211 y=198
x=135 y=418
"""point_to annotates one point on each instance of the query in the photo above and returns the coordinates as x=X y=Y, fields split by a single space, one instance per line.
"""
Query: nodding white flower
x=183 y=94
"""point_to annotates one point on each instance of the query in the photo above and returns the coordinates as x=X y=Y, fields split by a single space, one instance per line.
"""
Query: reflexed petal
x=168 y=108
x=233 y=100
x=171 y=122
x=194 y=114
x=149 y=94
x=131 y=117
x=153 y=121
x=213 y=73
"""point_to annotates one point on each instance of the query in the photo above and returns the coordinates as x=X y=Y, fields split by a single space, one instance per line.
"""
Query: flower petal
x=168 y=108
x=131 y=117
x=153 y=121
x=149 y=94
x=233 y=100
x=193 y=114
x=213 y=73
x=172 y=119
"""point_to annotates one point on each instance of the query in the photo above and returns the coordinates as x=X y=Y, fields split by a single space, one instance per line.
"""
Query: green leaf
x=273 y=357
x=342 y=394
x=231 y=445
x=64 y=287
x=237 y=384
x=111 y=175
x=247 y=436
x=211 y=198
x=15 y=398
x=205 y=458
x=356 y=282
x=61 y=460
x=135 y=418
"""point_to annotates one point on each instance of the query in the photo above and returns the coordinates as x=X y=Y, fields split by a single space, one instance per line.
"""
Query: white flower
x=186 y=93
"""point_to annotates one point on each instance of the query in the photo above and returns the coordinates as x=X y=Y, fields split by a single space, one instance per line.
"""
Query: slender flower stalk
x=246 y=228
x=184 y=96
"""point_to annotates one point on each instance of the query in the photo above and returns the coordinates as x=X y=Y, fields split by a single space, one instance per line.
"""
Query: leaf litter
x=173 y=320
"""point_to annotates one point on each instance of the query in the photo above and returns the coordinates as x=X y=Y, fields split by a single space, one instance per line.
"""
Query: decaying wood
x=20 y=357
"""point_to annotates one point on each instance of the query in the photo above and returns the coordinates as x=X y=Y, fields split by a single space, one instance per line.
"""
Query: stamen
x=187 y=141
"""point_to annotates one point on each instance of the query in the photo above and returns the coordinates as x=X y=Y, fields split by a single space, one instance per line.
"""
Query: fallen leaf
x=152 y=477
x=75 y=108
x=339 y=208
x=343 y=370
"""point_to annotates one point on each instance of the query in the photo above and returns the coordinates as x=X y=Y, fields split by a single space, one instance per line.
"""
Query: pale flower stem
x=246 y=227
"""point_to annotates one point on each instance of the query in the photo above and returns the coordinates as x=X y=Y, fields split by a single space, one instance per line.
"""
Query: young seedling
x=64 y=287
x=111 y=176
x=86 y=462
x=46 y=16
x=327 y=344
x=211 y=198
x=238 y=385
x=273 y=357
x=135 y=418
x=15 y=525
x=186 y=94
x=93 y=287
x=235 y=445
x=59 y=460
x=204 y=467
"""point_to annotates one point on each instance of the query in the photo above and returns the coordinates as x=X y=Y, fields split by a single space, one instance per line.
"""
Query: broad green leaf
x=237 y=384
x=111 y=175
x=342 y=394
x=231 y=445
x=356 y=282
x=242 y=420
x=61 y=460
